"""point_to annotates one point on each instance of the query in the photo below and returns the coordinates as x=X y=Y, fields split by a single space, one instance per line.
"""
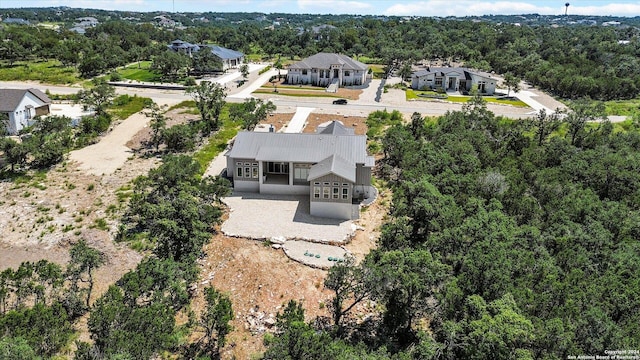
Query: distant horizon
x=437 y=8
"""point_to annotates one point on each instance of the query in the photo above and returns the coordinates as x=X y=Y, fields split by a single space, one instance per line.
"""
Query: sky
x=361 y=7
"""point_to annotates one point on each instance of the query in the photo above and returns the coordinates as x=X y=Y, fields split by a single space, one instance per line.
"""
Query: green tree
x=205 y=61
x=169 y=64
x=158 y=124
x=15 y=153
x=16 y=349
x=98 y=97
x=582 y=111
x=84 y=260
x=512 y=82
x=209 y=98
x=178 y=138
x=215 y=320
x=347 y=281
x=244 y=70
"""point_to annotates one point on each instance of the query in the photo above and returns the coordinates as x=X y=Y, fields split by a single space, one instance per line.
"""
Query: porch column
x=290 y=173
x=260 y=176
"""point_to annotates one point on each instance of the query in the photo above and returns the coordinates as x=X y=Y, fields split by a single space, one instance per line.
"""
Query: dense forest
x=570 y=61
x=507 y=240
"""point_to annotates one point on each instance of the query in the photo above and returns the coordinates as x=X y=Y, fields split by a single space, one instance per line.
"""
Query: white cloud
x=470 y=8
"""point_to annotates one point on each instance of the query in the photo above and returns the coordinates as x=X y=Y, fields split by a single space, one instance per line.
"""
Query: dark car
x=340 y=102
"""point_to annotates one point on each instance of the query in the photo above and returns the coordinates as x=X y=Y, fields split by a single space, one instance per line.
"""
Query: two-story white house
x=323 y=69
x=20 y=106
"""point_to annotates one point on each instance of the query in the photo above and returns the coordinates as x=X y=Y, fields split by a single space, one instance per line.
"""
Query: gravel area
x=259 y=216
x=313 y=254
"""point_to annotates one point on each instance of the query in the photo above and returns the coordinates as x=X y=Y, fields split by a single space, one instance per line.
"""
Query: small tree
x=15 y=153
x=98 y=97
x=215 y=320
x=244 y=70
x=346 y=281
x=84 y=260
x=209 y=98
x=512 y=82
x=158 y=124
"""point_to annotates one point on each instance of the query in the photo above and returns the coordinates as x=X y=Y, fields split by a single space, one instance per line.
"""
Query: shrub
x=115 y=76
x=189 y=81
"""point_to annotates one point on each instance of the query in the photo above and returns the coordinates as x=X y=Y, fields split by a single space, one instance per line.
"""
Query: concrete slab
x=316 y=255
x=298 y=120
x=258 y=216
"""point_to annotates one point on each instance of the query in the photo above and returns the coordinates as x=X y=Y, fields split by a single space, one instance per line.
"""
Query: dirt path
x=111 y=152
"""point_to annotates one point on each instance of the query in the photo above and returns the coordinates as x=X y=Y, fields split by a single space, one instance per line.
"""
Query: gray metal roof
x=10 y=98
x=336 y=128
x=224 y=53
x=333 y=165
x=325 y=60
x=447 y=70
x=307 y=148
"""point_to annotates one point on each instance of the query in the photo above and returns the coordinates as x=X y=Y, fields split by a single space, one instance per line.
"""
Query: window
x=438 y=81
x=325 y=192
x=345 y=185
x=254 y=172
x=335 y=184
x=336 y=192
x=316 y=192
x=304 y=72
x=301 y=172
x=239 y=172
x=345 y=193
x=247 y=171
x=316 y=183
x=347 y=73
x=325 y=184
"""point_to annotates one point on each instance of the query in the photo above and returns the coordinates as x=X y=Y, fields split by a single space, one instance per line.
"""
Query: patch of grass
x=411 y=94
x=188 y=104
x=100 y=224
x=67 y=228
x=50 y=72
x=143 y=73
x=622 y=107
x=91 y=187
x=125 y=105
x=218 y=142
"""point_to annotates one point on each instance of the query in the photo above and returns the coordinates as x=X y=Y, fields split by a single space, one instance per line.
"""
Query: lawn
x=48 y=72
x=141 y=73
x=415 y=95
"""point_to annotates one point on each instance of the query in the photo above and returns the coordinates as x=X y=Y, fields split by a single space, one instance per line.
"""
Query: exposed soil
x=278 y=120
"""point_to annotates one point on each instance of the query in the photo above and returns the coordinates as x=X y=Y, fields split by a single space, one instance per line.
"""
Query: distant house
x=21 y=106
x=229 y=58
x=453 y=79
x=17 y=21
x=87 y=21
x=324 y=69
x=331 y=166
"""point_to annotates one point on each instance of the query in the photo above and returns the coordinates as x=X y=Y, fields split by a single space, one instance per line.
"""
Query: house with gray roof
x=331 y=166
x=453 y=79
x=324 y=69
x=19 y=106
x=229 y=58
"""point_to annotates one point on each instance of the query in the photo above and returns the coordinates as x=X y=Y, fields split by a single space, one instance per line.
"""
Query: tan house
x=331 y=166
x=21 y=106
x=325 y=69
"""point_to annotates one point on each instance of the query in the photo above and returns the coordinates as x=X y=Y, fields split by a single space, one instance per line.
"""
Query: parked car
x=340 y=102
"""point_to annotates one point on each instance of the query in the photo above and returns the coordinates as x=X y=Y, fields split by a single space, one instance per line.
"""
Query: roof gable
x=11 y=98
x=336 y=128
x=325 y=60
x=333 y=165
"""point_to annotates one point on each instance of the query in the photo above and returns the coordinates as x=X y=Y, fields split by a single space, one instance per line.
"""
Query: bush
x=115 y=76
x=189 y=81
x=179 y=138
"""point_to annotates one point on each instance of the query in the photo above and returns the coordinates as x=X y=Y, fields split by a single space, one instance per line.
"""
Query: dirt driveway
x=111 y=152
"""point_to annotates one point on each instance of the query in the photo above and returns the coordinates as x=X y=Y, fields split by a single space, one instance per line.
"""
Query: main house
x=453 y=79
x=229 y=58
x=331 y=166
x=19 y=107
x=324 y=69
